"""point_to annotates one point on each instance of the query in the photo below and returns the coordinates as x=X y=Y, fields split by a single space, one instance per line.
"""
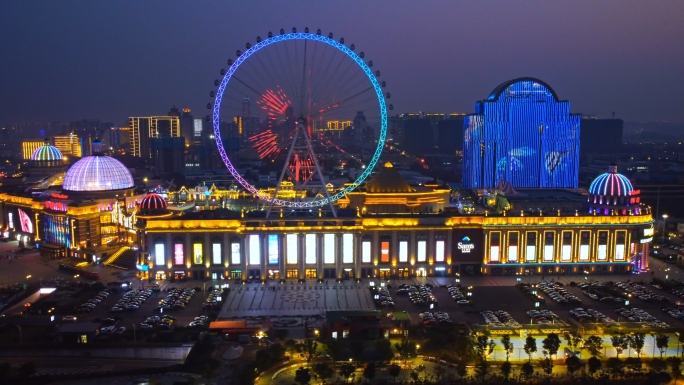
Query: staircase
x=124 y=259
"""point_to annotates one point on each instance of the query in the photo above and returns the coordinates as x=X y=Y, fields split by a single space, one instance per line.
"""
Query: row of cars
x=557 y=293
x=457 y=295
x=500 y=318
x=165 y=321
x=640 y=291
x=381 y=296
x=177 y=299
x=591 y=314
x=544 y=317
x=213 y=301
x=432 y=318
x=199 y=321
x=90 y=304
x=638 y=315
x=132 y=300
x=420 y=295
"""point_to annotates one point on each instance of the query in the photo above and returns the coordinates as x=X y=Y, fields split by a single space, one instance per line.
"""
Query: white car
x=69 y=318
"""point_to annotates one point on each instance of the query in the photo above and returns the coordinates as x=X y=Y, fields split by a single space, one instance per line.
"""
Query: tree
x=357 y=348
x=675 y=367
x=334 y=348
x=546 y=364
x=573 y=364
x=636 y=342
x=384 y=348
x=277 y=351
x=551 y=344
x=594 y=345
x=506 y=369
x=615 y=366
x=633 y=364
x=346 y=370
x=27 y=369
x=594 y=365
x=369 y=371
x=291 y=346
x=406 y=349
x=394 y=371
x=530 y=347
x=527 y=370
x=657 y=365
x=308 y=348
x=414 y=376
x=662 y=341
x=484 y=346
x=573 y=340
x=302 y=376
x=507 y=345
x=620 y=343
x=323 y=371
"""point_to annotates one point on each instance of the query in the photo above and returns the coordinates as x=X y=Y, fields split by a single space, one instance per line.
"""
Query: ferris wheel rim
x=364 y=67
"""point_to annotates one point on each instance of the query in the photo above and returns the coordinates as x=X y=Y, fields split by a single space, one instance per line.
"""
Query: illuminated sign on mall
x=465 y=246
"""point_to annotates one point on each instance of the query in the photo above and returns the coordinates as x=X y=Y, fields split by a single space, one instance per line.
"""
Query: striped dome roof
x=46 y=153
x=97 y=173
x=153 y=202
x=611 y=184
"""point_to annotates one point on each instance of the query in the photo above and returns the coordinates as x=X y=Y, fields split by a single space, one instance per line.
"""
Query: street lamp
x=21 y=337
x=133 y=332
x=664 y=226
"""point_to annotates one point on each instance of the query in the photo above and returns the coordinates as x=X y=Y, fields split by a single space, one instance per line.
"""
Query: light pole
x=21 y=337
x=664 y=227
x=133 y=332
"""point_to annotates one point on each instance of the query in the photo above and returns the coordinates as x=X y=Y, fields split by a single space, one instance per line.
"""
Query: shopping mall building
x=387 y=228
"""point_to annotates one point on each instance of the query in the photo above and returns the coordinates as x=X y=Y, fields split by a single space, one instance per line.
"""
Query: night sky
x=71 y=60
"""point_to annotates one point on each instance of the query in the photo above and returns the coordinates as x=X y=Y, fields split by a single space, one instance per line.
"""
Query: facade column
x=320 y=257
x=375 y=250
x=168 y=250
x=448 y=248
x=431 y=249
x=394 y=252
x=263 y=263
x=358 y=245
x=282 y=251
x=301 y=256
x=338 y=255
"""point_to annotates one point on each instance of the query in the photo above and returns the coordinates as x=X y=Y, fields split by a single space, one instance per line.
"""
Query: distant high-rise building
x=168 y=154
x=29 y=147
x=600 y=135
x=521 y=134
x=450 y=134
x=187 y=126
x=144 y=128
x=119 y=137
x=69 y=144
x=246 y=108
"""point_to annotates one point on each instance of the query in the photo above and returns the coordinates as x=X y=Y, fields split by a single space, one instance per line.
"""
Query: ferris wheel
x=300 y=109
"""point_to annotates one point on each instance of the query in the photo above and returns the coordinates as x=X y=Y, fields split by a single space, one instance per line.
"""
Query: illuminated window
x=310 y=243
x=11 y=221
x=421 y=251
x=273 y=249
x=235 y=253
x=216 y=253
x=439 y=250
x=311 y=273
x=620 y=246
x=366 y=251
x=197 y=253
x=548 y=246
x=531 y=247
x=159 y=254
x=403 y=251
x=602 y=254
x=494 y=246
x=347 y=248
x=566 y=249
x=291 y=244
x=83 y=339
x=512 y=247
x=384 y=251
x=584 y=245
x=254 y=250
x=329 y=248
x=178 y=258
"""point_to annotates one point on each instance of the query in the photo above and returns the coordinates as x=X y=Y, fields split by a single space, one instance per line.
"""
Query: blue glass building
x=524 y=135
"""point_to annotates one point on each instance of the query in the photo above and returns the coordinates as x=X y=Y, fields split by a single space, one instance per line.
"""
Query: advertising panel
x=235 y=253
x=159 y=254
x=291 y=244
x=178 y=258
x=329 y=248
x=384 y=251
x=310 y=243
x=366 y=252
x=347 y=248
x=467 y=246
x=403 y=251
x=216 y=253
x=254 y=250
x=273 y=249
x=421 y=251
x=25 y=221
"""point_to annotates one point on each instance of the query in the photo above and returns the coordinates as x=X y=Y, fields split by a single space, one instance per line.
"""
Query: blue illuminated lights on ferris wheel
x=351 y=54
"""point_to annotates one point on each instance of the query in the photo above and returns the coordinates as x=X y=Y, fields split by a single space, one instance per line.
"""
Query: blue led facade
x=524 y=135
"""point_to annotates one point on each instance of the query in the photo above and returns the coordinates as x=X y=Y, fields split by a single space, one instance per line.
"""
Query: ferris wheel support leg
x=320 y=173
x=282 y=173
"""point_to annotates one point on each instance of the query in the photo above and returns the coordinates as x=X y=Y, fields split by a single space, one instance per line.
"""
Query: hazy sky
x=69 y=60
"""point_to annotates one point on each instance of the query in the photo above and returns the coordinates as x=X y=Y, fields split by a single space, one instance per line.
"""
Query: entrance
x=421 y=272
x=160 y=276
x=274 y=274
x=293 y=274
x=403 y=273
x=179 y=276
x=329 y=273
x=311 y=273
x=235 y=274
x=384 y=273
x=348 y=274
x=366 y=272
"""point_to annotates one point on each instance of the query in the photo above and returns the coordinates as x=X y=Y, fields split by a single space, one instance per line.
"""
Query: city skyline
x=115 y=60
